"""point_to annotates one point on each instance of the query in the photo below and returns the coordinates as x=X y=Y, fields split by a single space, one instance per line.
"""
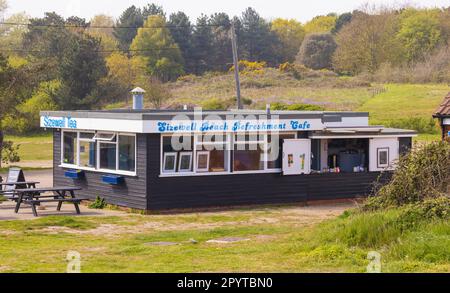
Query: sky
x=298 y=9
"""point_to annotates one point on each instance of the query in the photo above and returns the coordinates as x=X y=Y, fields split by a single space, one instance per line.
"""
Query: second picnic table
x=35 y=196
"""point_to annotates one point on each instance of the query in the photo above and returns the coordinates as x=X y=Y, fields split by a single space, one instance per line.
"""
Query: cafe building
x=164 y=159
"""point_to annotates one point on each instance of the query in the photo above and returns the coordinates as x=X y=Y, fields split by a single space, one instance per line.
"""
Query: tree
x=317 y=50
x=202 y=43
x=256 y=41
x=367 y=42
x=162 y=55
x=43 y=98
x=291 y=34
x=342 y=20
x=11 y=35
x=152 y=9
x=127 y=26
x=419 y=32
x=222 y=54
x=81 y=68
x=101 y=27
x=102 y=24
x=8 y=100
x=181 y=31
x=321 y=24
x=47 y=38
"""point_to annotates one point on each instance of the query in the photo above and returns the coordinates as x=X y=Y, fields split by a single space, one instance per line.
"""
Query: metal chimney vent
x=138 y=98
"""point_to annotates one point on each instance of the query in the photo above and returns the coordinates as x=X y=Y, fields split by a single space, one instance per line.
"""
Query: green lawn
x=280 y=241
x=35 y=147
x=405 y=101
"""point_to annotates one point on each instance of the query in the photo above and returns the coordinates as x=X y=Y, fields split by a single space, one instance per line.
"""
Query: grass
x=284 y=244
x=37 y=147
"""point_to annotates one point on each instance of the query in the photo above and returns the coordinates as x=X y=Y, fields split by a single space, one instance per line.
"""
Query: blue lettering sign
x=296 y=125
x=63 y=122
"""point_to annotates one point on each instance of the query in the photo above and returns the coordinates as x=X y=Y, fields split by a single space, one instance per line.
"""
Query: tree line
x=70 y=63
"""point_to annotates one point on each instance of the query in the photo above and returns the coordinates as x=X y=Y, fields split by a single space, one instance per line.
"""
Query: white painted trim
x=98 y=142
x=124 y=173
x=359 y=136
x=192 y=174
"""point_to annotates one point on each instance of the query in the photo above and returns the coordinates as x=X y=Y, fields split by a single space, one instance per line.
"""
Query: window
x=87 y=150
x=114 y=152
x=127 y=153
x=382 y=157
x=248 y=157
x=105 y=136
x=107 y=156
x=212 y=153
x=275 y=162
x=177 y=155
x=69 y=148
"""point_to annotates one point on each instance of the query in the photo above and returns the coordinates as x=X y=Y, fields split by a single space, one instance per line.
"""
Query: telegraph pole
x=236 y=65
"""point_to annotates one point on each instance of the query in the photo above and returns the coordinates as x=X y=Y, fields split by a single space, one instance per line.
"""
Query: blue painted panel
x=113 y=179
x=74 y=174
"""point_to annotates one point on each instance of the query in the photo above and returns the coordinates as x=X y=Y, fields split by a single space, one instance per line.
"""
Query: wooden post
x=236 y=65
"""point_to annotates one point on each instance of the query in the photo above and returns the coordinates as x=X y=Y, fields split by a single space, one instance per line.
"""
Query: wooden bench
x=35 y=196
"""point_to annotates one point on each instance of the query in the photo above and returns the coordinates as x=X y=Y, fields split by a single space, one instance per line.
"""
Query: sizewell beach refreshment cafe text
x=165 y=159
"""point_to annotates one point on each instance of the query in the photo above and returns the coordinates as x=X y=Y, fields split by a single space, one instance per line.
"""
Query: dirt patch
x=227 y=240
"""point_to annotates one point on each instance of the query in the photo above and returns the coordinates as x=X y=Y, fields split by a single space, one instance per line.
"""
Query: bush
x=430 y=209
x=249 y=67
x=99 y=203
x=420 y=175
x=296 y=107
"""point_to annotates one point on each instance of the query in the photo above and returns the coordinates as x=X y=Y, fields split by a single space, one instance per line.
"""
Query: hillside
x=391 y=104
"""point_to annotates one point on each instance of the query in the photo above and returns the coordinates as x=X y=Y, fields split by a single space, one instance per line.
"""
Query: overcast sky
x=302 y=10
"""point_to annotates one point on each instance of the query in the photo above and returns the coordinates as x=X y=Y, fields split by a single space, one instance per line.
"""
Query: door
x=296 y=156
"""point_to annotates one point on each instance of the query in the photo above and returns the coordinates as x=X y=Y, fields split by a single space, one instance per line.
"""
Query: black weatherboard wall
x=132 y=194
x=149 y=191
x=236 y=189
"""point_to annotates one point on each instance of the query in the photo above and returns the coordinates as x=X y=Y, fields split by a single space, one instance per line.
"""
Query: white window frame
x=259 y=141
x=79 y=146
x=62 y=149
x=229 y=161
x=97 y=142
x=182 y=154
x=175 y=154
x=135 y=151
x=203 y=170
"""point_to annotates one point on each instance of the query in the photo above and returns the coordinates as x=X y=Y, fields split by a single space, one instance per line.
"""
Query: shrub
x=421 y=174
x=295 y=107
x=429 y=209
x=250 y=67
x=99 y=203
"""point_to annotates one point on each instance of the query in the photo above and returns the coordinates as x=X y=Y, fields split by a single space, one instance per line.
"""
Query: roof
x=152 y=114
x=444 y=107
x=368 y=131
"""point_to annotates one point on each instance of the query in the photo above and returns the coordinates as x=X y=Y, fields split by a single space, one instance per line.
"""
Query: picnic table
x=8 y=188
x=36 y=196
